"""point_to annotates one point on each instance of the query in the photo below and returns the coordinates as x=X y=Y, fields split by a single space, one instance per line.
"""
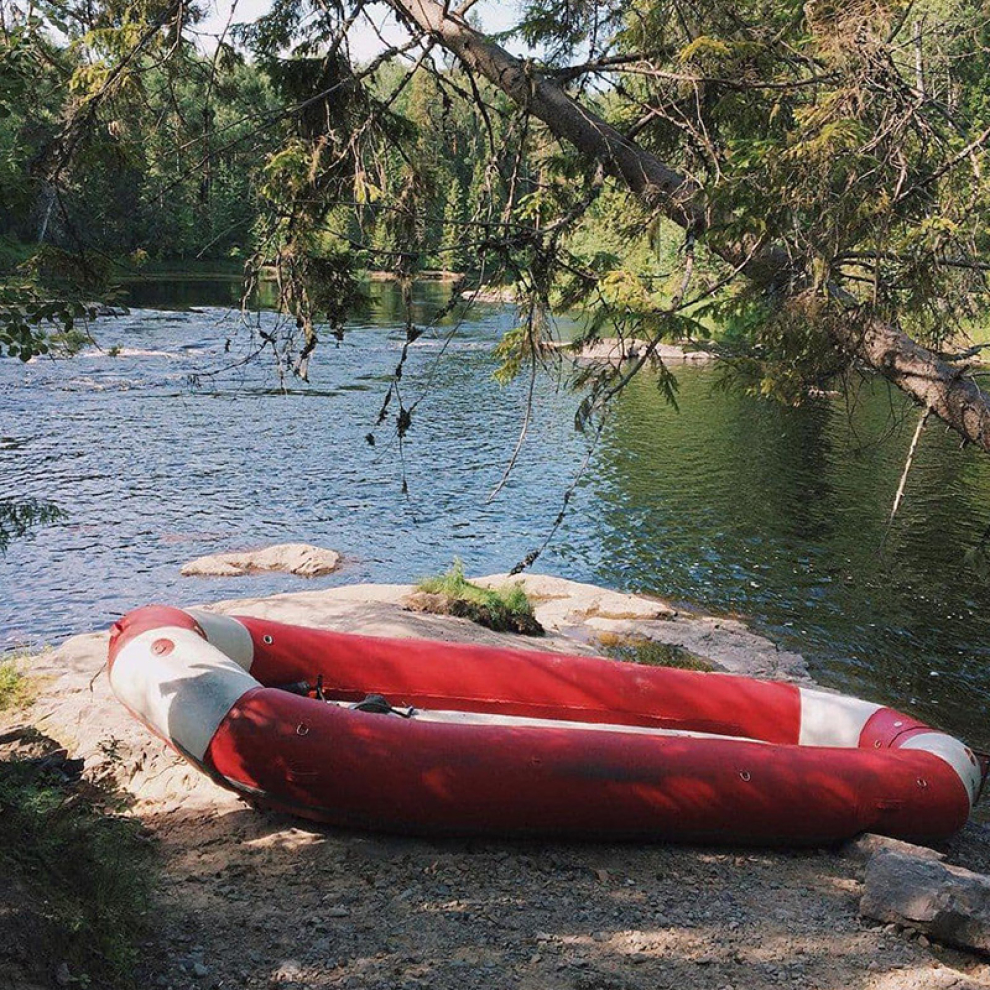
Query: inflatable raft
x=425 y=737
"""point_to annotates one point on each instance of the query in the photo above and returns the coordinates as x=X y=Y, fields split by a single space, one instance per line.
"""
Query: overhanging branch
x=943 y=388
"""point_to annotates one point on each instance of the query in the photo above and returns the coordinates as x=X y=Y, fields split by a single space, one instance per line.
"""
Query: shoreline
x=256 y=899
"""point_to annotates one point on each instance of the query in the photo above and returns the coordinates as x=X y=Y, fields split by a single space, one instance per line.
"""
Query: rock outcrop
x=292 y=558
x=585 y=612
x=614 y=350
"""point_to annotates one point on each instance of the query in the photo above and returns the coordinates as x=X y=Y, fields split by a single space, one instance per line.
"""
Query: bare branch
x=907 y=464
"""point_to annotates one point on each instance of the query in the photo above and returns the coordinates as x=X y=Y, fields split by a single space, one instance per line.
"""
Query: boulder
x=949 y=903
x=868 y=845
x=292 y=558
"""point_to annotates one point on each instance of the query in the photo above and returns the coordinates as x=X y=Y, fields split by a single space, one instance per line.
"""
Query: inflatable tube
x=511 y=742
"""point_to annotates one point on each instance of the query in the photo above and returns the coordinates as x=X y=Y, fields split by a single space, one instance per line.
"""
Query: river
x=161 y=446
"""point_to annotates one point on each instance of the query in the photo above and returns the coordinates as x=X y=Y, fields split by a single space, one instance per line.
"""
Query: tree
x=865 y=131
x=829 y=156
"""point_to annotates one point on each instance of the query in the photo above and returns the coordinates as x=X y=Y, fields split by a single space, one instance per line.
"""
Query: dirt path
x=251 y=899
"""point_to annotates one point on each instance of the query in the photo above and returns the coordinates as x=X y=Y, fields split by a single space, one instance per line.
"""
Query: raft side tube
x=228 y=635
x=434 y=675
x=958 y=755
x=364 y=770
x=833 y=719
x=179 y=685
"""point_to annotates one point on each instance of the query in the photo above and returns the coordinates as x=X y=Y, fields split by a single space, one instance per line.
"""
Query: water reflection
x=781 y=514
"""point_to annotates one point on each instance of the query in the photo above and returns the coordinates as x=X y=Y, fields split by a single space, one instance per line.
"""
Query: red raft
x=511 y=742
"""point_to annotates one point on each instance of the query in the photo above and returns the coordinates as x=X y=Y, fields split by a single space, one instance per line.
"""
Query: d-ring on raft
x=513 y=742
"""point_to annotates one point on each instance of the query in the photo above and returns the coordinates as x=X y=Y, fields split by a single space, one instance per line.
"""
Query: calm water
x=170 y=450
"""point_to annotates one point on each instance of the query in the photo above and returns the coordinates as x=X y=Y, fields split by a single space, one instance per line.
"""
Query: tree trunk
x=932 y=382
x=47 y=204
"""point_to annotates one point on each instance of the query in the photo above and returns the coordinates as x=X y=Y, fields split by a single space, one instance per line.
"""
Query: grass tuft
x=642 y=650
x=505 y=609
x=15 y=689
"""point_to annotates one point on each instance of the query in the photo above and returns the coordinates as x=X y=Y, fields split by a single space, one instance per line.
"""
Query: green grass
x=15 y=688
x=78 y=875
x=505 y=609
x=640 y=649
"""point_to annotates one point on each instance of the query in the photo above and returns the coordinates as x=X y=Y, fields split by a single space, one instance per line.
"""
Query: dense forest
x=183 y=171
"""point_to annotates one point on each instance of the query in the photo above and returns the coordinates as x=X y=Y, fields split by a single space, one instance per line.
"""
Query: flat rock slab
x=585 y=611
x=292 y=558
x=560 y=603
x=868 y=845
x=949 y=903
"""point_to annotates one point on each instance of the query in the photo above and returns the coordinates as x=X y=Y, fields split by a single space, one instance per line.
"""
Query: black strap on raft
x=304 y=689
x=376 y=704
x=301 y=688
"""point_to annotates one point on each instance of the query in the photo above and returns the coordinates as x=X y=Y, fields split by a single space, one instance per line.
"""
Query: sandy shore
x=252 y=899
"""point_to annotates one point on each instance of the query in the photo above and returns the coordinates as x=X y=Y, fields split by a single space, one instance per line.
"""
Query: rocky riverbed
x=253 y=899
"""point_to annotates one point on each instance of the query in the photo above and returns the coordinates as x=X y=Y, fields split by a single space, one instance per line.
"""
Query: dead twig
x=907 y=465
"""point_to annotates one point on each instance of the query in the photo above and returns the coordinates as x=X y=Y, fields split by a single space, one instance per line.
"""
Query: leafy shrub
x=15 y=689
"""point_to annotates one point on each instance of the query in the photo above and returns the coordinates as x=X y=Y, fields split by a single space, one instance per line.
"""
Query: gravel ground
x=255 y=900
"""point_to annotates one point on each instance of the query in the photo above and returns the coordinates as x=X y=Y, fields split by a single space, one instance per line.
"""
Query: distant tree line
x=195 y=156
